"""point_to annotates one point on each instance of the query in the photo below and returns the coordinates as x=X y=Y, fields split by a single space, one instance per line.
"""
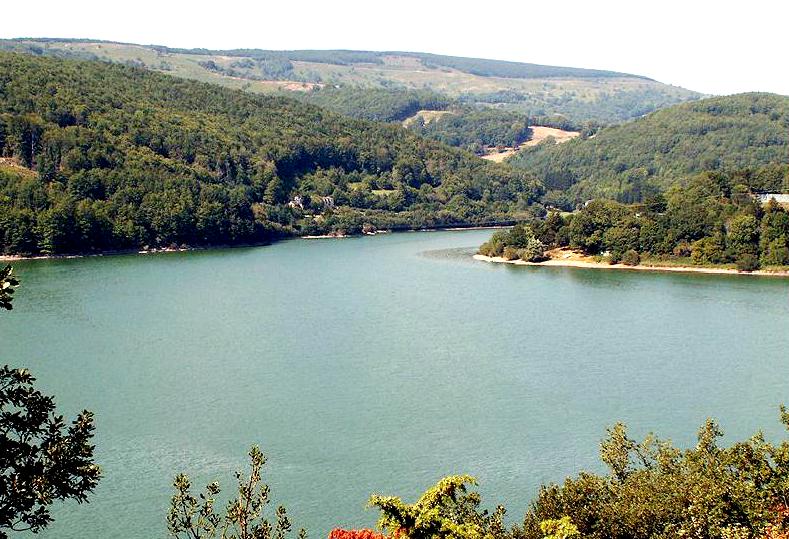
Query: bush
x=776 y=253
x=682 y=249
x=747 y=262
x=707 y=251
x=631 y=258
x=533 y=252
x=510 y=253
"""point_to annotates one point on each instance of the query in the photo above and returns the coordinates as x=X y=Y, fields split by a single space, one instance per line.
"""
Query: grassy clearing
x=426 y=115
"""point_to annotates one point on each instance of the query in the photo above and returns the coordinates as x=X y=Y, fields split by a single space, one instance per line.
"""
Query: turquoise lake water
x=380 y=364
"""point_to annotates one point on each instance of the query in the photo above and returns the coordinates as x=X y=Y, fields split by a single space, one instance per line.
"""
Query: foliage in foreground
x=195 y=517
x=41 y=458
x=445 y=511
x=339 y=533
x=652 y=490
x=8 y=284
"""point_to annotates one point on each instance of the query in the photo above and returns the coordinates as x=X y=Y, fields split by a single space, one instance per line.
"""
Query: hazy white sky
x=718 y=47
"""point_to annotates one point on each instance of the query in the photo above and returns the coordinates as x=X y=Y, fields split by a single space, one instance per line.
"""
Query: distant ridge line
x=483 y=67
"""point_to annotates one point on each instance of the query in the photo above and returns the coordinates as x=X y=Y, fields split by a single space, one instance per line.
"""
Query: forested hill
x=530 y=89
x=628 y=161
x=97 y=156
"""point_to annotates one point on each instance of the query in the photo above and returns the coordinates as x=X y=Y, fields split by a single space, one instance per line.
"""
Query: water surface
x=380 y=364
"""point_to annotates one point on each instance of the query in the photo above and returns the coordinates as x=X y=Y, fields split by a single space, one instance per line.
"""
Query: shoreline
x=159 y=250
x=590 y=264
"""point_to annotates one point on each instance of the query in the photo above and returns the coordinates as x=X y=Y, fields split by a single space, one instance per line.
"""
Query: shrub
x=747 y=262
x=682 y=249
x=339 y=533
x=776 y=253
x=510 y=253
x=631 y=258
x=533 y=252
x=707 y=251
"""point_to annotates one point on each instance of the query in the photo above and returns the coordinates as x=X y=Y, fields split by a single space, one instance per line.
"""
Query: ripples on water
x=379 y=364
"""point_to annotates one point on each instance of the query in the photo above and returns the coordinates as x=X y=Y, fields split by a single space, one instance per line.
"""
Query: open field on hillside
x=539 y=133
x=426 y=115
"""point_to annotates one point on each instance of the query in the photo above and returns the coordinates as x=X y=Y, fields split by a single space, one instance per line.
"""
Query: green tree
x=631 y=258
x=654 y=490
x=444 y=511
x=743 y=235
x=41 y=458
x=533 y=252
x=195 y=517
x=8 y=284
x=562 y=528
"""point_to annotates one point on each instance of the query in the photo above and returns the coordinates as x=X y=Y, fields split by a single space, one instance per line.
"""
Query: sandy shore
x=571 y=259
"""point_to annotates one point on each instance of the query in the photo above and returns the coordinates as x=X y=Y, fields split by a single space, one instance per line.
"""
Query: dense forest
x=713 y=220
x=476 y=129
x=470 y=127
x=126 y=158
x=631 y=161
x=377 y=104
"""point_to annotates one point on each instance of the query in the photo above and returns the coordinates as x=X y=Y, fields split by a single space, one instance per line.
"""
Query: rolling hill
x=534 y=90
x=628 y=161
x=100 y=156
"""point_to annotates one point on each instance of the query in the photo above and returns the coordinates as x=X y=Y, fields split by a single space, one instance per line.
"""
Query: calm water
x=379 y=365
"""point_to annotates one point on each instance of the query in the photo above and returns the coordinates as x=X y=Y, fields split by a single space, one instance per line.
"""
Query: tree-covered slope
x=633 y=159
x=376 y=104
x=128 y=158
x=530 y=89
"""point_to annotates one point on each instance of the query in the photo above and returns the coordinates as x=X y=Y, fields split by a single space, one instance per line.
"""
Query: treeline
x=476 y=66
x=377 y=104
x=257 y=68
x=515 y=70
x=468 y=126
x=475 y=130
x=714 y=220
x=600 y=106
x=125 y=158
x=630 y=161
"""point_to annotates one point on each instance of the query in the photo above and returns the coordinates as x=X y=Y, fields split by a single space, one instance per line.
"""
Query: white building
x=780 y=198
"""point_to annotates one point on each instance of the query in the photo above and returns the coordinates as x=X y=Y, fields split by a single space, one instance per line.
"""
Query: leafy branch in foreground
x=7 y=285
x=195 y=517
x=654 y=490
x=444 y=511
x=40 y=459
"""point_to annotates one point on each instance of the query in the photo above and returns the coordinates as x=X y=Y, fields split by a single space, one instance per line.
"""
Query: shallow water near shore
x=380 y=364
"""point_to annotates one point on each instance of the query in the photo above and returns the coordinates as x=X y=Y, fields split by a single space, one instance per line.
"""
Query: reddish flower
x=339 y=533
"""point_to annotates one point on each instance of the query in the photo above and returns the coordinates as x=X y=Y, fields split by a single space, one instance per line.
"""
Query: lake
x=381 y=364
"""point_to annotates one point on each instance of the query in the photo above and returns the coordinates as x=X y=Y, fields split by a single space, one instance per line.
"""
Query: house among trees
x=780 y=198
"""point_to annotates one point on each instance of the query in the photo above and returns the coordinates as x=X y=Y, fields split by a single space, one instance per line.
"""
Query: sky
x=715 y=47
